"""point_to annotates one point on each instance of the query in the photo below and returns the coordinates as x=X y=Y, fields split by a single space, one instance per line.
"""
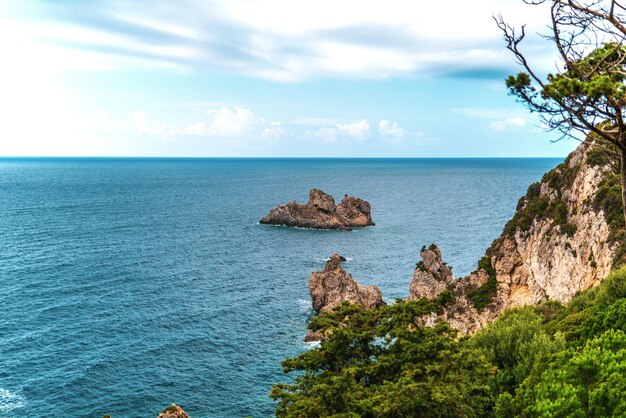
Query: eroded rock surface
x=432 y=276
x=557 y=243
x=332 y=286
x=173 y=411
x=320 y=212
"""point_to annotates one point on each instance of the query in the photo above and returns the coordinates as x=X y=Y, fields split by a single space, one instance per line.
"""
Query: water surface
x=128 y=284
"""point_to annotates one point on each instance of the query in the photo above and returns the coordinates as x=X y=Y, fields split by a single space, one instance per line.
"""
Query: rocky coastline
x=560 y=241
x=321 y=212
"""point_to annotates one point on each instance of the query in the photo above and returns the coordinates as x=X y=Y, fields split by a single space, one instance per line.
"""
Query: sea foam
x=10 y=401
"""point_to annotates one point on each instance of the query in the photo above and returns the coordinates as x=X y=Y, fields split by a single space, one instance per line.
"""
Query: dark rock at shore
x=321 y=212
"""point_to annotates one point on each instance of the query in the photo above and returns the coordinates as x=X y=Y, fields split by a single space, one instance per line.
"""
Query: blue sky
x=272 y=78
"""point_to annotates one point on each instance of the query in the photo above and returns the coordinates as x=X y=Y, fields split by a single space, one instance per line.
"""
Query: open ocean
x=129 y=284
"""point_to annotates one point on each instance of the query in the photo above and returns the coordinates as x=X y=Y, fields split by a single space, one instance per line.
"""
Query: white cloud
x=502 y=124
x=232 y=121
x=360 y=130
x=357 y=130
x=144 y=126
x=305 y=40
x=236 y=123
x=390 y=130
x=274 y=131
x=327 y=134
x=499 y=119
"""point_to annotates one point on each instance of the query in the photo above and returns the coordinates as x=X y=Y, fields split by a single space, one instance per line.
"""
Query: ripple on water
x=126 y=285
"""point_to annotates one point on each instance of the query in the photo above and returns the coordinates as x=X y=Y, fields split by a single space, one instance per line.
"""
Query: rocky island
x=321 y=212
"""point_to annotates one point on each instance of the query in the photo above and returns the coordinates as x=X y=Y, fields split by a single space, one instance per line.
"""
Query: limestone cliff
x=320 y=212
x=563 y=238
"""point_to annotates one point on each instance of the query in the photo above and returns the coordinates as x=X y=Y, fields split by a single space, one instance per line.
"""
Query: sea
x=129 y=284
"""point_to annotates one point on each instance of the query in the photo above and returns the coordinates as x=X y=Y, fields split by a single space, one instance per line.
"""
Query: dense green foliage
x=535 y=206
x=547 y=360
x=482 y=295
x=609 y=199
x=379 y=363
x=592 y=83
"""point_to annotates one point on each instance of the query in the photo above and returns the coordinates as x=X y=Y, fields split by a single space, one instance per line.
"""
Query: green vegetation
x=609 y=199
x=588 y=95
x=535 y=206
x=538 y=361
x=482 y=295
x=602 y=153
x=380 y=363
x=421 y=267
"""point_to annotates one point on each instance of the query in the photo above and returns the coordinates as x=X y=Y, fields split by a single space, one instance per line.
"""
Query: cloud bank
x=283 y=40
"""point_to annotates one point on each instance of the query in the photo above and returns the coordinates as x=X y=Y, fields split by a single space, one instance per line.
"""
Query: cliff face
x=320 y=212
x=563 y=238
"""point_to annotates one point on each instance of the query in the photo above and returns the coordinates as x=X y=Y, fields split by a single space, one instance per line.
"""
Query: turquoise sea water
x=128 y=284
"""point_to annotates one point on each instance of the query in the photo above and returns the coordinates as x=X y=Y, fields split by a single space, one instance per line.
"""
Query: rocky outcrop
x=321 y=213
x=332 y=286
x=558 y=242
x=432 y=276
x=173 y=411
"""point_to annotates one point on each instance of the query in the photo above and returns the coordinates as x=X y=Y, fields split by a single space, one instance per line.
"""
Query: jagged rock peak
x=334 y=262
x=173 y=411
x=321 y=200
x=433 y=262
x=321 y=212
x=332 y=286
x=432 y=276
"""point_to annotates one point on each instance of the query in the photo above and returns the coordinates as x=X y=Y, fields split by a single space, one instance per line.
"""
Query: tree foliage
x=545 y=360
x=587 y=94
x=382 y=363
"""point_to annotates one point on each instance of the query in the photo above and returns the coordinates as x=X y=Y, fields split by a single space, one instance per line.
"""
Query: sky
x=270 y=78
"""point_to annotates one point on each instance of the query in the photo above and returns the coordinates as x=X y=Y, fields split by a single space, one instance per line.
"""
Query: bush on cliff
x=545 y=360
x=380 y=363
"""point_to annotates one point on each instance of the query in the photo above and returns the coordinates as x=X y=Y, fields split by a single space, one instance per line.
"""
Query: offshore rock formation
x=432 y=276
x=321 y=213
x=332 y=286
x=565 y=237
x=173 y=411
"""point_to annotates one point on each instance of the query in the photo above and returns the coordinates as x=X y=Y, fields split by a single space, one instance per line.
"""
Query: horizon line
x=77 y=157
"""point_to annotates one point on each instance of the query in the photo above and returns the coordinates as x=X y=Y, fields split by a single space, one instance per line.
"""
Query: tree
x=588 y=94
x=579 y=382
x=382 y=363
